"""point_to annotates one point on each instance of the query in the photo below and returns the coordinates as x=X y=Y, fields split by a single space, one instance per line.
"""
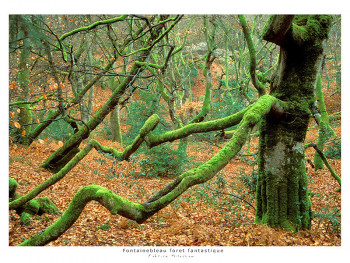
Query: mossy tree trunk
x=324 y=131
x=282 y=189
x=209 y=59
x=25 y=114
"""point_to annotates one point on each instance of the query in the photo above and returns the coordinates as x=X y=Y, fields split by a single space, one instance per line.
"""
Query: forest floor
x=206 y=215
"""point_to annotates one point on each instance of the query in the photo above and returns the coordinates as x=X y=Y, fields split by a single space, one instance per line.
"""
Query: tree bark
x=282 y=189
x=115 y=125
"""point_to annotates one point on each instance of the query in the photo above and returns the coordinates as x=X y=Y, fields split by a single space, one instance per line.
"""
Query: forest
x=174 y=130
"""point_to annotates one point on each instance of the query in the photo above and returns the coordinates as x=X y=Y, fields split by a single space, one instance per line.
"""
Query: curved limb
x=325 y=132
x=214 y=125
x=149 y=125
x=92 y=26
x=140 y=212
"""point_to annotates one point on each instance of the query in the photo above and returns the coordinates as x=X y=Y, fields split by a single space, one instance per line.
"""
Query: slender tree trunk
x=324 y=131
x=25 y=114
x=87 y=102
x=115 y=125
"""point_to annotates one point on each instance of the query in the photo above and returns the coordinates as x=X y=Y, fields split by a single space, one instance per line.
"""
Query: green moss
x=299 y=33
x=280 y=202
x=12 y=187
x=104 y=227
x=32 y=207
x=310 y=27
x=25 y=218
x=62 y=162
x=28 y=210
x=46 y=206
x=25 y=117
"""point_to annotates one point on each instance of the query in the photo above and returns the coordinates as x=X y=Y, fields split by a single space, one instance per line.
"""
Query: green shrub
x=163 y=161
x=249 y=180
x=139 y=112
x=226 y=202
x=333 y=151
x=331 y=218
x=104 y=227
x=58 y=130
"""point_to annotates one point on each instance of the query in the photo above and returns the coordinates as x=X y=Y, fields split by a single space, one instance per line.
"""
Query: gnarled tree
x=282 y=189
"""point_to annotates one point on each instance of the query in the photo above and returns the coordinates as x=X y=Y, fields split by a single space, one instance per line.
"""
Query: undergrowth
x=331 y=218
x=162 y=161
x=333 y=151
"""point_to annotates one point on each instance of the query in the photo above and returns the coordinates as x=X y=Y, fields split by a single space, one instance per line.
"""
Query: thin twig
x=232 y=195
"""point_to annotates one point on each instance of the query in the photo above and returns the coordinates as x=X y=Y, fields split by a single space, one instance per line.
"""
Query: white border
x=114 y=254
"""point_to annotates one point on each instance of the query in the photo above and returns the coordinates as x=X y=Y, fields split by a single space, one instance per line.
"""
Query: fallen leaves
x=190 y=223
x=195 y=223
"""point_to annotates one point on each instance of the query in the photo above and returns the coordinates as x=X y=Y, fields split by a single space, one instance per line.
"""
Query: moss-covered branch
x=59 y=158
x=325 y=131
x=179 y=48
x=252 y=54
x=41 y=98
x=140 y=212
x=156 y=66
x=149 y=125
x=174 y=20
x=115 y=204
x=30 y=137
x=152 y=140
x=92 y=26
x=214 y=125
